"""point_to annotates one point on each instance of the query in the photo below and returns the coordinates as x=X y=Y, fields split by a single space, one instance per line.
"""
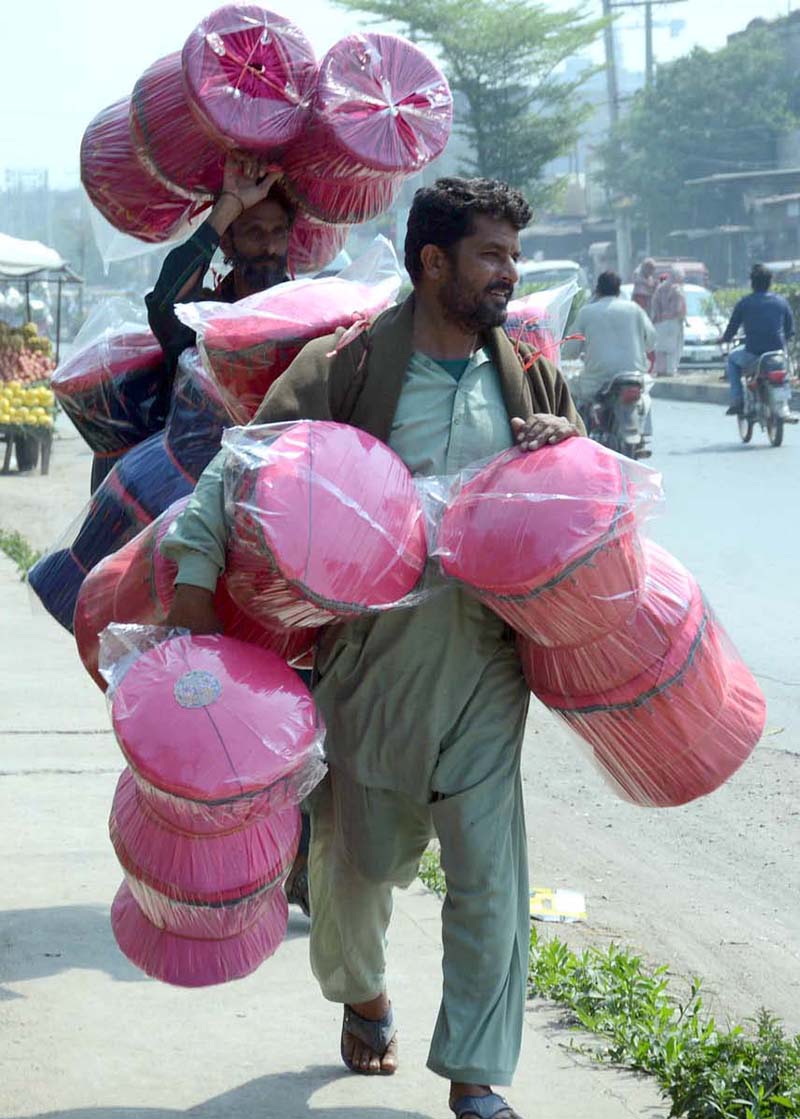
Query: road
x=711 y=888
x=731 y=516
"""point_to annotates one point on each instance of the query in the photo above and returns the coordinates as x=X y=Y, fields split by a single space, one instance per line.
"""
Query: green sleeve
x=197 y=539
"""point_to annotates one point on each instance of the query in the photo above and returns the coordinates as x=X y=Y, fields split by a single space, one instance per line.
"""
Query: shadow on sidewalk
x=281 y=1096
x=39 y=943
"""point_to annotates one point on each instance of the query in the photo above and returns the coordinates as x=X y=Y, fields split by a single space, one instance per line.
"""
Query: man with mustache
x=424 y=706
x=250 y=221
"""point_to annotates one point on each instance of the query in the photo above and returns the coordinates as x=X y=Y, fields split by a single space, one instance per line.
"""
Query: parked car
x=537 y=274
x=705 y=323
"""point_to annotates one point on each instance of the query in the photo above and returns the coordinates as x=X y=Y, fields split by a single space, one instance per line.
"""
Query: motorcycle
x=766 y=397
x=619 y=415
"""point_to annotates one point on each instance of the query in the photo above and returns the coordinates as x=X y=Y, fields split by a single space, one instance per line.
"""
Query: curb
x=675 y=388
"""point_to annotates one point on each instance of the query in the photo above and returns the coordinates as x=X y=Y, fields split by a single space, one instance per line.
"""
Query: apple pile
x=25 y=355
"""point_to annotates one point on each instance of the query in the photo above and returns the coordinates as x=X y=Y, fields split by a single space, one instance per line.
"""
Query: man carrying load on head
x=437 y=751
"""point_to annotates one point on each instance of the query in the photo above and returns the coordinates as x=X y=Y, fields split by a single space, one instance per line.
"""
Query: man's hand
x=193 y=609
x=245 y=183
x=540 y=430
x=248 y=179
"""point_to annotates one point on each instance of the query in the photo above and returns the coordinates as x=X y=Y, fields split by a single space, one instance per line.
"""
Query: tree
x=501 y=58
x=706 y=113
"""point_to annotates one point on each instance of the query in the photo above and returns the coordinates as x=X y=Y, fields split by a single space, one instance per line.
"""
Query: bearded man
x=425 y=707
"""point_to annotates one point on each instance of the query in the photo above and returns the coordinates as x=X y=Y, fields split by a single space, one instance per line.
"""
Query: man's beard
x=260 y=273
x=473 y=313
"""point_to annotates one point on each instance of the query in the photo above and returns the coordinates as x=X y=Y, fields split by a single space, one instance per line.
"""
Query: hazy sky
x=64 y=60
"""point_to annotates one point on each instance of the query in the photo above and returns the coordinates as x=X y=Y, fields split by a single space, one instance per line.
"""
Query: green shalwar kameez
x=425 y=708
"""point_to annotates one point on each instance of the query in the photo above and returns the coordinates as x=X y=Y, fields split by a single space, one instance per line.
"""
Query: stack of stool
x=222 y=742
x=614 y=634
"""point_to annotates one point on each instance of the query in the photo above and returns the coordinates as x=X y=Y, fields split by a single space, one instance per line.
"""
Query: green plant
x=745 y=1072
x=17 y=548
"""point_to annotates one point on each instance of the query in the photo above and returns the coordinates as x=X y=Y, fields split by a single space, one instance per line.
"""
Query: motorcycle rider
x=618 y=336
x=768 y=325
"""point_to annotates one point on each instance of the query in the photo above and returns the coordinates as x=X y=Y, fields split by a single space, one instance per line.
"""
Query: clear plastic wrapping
x=324 y=523
x=313 y=244
x=549 y=539
x=141 y=485
x=112 y=386
x=217 y=732
x=197 y=417
x=249 y=75
x=539 y=320
x=614 y=635
x=247 y=345
x=682 y=724
x=382 y=111
x=211 y=887
x=125 y=192
x=136 y=585
x=167 y=137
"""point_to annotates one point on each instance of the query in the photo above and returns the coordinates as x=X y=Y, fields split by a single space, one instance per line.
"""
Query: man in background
x=766 y=319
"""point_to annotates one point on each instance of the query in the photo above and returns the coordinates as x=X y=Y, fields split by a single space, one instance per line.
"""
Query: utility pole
x=621 y=219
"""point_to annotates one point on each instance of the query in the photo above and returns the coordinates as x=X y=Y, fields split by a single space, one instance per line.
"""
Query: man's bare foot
x=361 y=1057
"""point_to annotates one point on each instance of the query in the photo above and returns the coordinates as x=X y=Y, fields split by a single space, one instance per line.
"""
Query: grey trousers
x=366 y=841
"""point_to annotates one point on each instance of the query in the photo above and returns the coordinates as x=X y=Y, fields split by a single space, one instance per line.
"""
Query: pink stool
x=327 y=524
x=217 y=732
x=207 y=886
x=191 y=962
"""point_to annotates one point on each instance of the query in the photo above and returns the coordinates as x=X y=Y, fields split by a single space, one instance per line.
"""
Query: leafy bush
x=705 y=1071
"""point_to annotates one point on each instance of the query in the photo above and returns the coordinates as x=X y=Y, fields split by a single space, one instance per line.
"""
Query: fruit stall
x=27 y=361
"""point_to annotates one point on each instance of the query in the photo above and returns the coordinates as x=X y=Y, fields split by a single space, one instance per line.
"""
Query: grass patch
x=17 y=548
x=749 y=1071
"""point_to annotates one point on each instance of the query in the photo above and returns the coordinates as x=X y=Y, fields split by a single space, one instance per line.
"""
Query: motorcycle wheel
x=745 y=428
x=775 y=430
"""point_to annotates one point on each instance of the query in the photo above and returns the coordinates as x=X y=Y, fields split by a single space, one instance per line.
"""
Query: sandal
x=483 y=1107
x=376 y=1035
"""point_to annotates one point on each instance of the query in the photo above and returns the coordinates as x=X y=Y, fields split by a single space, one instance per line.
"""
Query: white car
x=538 y=274
x=703 y=327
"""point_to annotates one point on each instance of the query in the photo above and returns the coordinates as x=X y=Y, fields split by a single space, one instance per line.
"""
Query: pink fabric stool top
x=326 y=522
x=526 y=517
x=250 y=77
x=216 y=731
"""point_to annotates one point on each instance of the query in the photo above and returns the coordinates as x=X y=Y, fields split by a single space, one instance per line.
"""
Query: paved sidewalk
x=86 y=1036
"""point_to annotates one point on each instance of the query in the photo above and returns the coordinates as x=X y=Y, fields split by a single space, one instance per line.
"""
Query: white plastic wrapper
x=217 y=732
x=549 y=539
x=247 y=345
x=324 y=521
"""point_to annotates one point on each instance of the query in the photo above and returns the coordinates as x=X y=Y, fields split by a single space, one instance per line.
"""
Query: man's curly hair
x=444 y=213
